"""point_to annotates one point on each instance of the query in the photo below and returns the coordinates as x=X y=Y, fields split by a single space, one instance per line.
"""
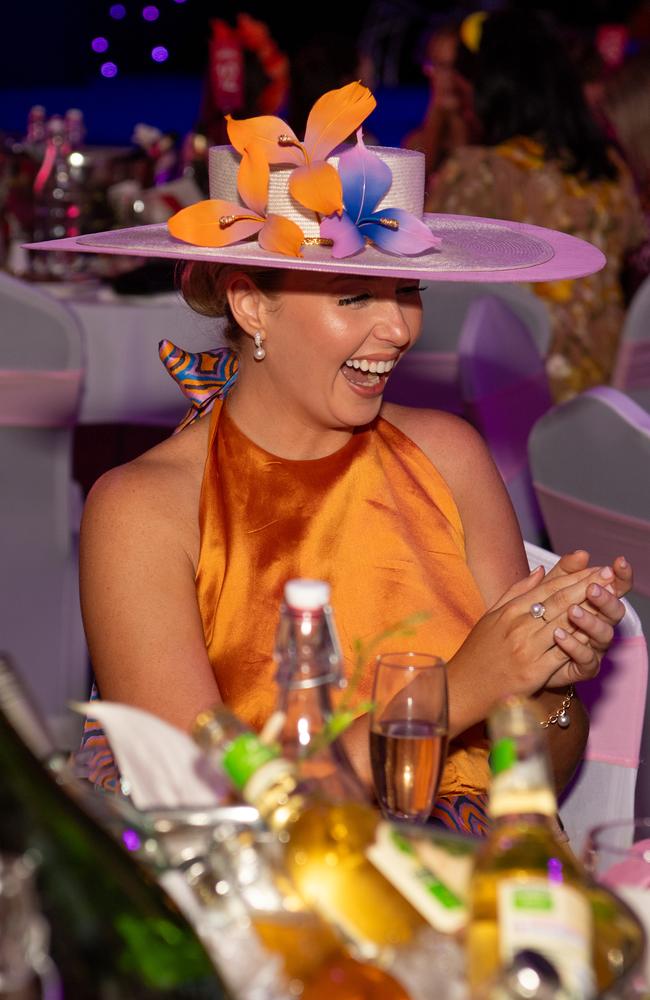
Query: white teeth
x=378 y=367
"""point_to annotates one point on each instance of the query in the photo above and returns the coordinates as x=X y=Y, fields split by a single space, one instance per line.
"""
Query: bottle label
x=432 y=872
x=554 y=920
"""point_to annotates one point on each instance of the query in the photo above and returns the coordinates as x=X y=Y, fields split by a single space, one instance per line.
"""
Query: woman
x=301 y=471
x=542 y=159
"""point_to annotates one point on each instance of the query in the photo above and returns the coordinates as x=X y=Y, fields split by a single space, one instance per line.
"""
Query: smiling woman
x=290 y=464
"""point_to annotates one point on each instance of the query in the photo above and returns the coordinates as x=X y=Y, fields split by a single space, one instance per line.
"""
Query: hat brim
x=472 y=249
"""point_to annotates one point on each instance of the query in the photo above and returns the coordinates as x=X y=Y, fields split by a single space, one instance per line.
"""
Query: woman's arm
x=507 y=651
x=138 y=597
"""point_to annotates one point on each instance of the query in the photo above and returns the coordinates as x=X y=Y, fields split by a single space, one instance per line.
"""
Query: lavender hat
x=318 y=205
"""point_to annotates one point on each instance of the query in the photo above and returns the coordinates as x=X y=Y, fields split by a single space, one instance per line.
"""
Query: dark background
x=45 y=54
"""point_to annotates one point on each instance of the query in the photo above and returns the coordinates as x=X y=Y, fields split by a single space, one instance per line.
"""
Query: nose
x=392 y=325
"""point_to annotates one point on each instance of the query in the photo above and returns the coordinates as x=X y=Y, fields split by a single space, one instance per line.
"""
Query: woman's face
x=332 y=341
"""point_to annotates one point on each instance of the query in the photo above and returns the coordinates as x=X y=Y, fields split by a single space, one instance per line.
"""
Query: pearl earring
x=259 y=353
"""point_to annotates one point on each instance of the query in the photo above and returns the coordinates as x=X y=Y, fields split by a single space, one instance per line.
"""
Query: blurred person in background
x=543 y=160
x=627 y=107
x=449 y=121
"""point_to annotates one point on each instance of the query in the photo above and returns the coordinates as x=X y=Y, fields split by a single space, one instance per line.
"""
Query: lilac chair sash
x=501 y=417
x=34 y=398
x=604 y=533
x=632 y=365
x=616 y=703
x=426 y=379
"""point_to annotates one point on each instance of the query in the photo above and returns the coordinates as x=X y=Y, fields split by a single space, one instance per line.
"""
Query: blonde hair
x=204 y=285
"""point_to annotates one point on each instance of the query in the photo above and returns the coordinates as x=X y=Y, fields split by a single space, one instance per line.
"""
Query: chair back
x=40 y=505
x=632 y=369
x=604 y=786
x=591 y=470
x=428 y=375
x=505 y=391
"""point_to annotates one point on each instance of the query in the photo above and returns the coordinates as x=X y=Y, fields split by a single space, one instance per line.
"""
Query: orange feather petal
x=281 y=235
x=263 y=132
x=317 y=187
x=335 y=116
x=199 y=224
x=253 y=179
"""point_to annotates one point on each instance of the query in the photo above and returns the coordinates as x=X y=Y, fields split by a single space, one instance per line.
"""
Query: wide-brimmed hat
x=322 y=206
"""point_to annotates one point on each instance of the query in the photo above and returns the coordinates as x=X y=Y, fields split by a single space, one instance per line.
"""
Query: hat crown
x=406 y=191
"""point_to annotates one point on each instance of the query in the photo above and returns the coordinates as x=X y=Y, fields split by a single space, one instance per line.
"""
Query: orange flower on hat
x=218 y=223
x=314 y=182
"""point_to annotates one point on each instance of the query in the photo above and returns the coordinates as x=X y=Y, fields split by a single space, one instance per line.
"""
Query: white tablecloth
x=124 y=379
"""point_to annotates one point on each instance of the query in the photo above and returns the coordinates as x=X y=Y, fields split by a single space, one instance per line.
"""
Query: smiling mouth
x=360 y=372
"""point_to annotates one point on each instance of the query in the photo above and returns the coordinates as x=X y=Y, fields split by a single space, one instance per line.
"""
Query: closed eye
x=407 y=290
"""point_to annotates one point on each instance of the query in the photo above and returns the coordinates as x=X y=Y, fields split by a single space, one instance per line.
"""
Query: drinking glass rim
x=432 y=660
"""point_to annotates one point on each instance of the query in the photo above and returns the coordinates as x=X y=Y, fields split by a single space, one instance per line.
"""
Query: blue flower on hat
x=365 y=179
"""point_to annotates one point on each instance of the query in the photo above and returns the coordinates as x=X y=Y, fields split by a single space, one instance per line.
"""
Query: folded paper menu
x=161 y=764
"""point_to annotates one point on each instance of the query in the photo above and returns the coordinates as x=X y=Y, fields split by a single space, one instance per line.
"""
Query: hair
x=204 y=285
x=525 y=85
x=627 y=107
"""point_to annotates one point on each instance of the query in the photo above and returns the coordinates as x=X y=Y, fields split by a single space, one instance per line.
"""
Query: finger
x=570 y=562
x=623 y=576
x=558 y=602
x=521 y=587
x=597 y=631
x=584 y=661
x=609 y=607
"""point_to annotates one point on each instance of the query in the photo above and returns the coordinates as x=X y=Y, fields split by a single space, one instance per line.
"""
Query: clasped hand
x=523 y=654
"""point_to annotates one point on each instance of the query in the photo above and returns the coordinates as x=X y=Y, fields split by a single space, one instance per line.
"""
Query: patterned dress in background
x=515 y=181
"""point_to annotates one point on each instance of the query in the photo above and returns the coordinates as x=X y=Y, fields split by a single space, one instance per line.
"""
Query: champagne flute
x=408 y=733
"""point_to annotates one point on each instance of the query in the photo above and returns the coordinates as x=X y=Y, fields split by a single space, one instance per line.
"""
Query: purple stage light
x=117 y=11
x=108 y=69
x=99 y=44
x=179 y=1
x=150 y=13
x=159 y=53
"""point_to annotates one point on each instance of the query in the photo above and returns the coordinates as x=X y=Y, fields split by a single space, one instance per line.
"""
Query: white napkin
x=162 y=764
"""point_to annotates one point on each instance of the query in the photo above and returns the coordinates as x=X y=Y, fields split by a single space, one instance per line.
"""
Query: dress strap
x=203 y=377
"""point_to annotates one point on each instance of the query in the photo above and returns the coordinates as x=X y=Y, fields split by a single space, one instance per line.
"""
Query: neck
x=289 y=433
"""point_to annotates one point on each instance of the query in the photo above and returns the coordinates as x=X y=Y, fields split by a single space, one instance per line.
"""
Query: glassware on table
x=618 y=855
x=408 y=733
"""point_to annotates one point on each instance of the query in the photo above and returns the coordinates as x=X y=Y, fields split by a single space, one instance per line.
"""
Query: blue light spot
x=108 y=69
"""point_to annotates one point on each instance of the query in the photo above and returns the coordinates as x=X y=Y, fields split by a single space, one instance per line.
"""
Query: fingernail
x=559 y=633
x=595 y=590
x=577 y=611
x=622 y=561
x=607 y=573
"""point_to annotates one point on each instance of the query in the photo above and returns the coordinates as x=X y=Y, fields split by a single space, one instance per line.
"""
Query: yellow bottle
x=325 y=842
x=530 y=904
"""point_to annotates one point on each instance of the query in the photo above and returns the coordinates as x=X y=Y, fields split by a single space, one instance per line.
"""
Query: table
x=124 y=379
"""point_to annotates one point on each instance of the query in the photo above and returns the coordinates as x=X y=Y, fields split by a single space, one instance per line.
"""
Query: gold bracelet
x=561 y=715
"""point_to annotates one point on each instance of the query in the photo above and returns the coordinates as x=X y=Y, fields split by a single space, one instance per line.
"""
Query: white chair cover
x=604 y=787
x=591 y=470
x=40 y=505
x=632 y=370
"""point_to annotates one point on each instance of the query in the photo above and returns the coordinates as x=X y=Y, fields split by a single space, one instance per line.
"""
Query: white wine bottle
x=326 y=842
x=115 y=934
x=535 y=915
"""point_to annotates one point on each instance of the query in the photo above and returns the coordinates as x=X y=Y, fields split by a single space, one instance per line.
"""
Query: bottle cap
x=307 y=595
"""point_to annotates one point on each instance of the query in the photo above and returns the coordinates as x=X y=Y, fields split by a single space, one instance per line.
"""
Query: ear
x=247 y=303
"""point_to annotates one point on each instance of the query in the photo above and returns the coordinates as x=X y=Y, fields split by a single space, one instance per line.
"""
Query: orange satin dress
x=375 y=519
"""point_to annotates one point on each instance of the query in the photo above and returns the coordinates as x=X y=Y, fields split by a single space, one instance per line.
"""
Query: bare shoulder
x=155 y=493
x=455 y=448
